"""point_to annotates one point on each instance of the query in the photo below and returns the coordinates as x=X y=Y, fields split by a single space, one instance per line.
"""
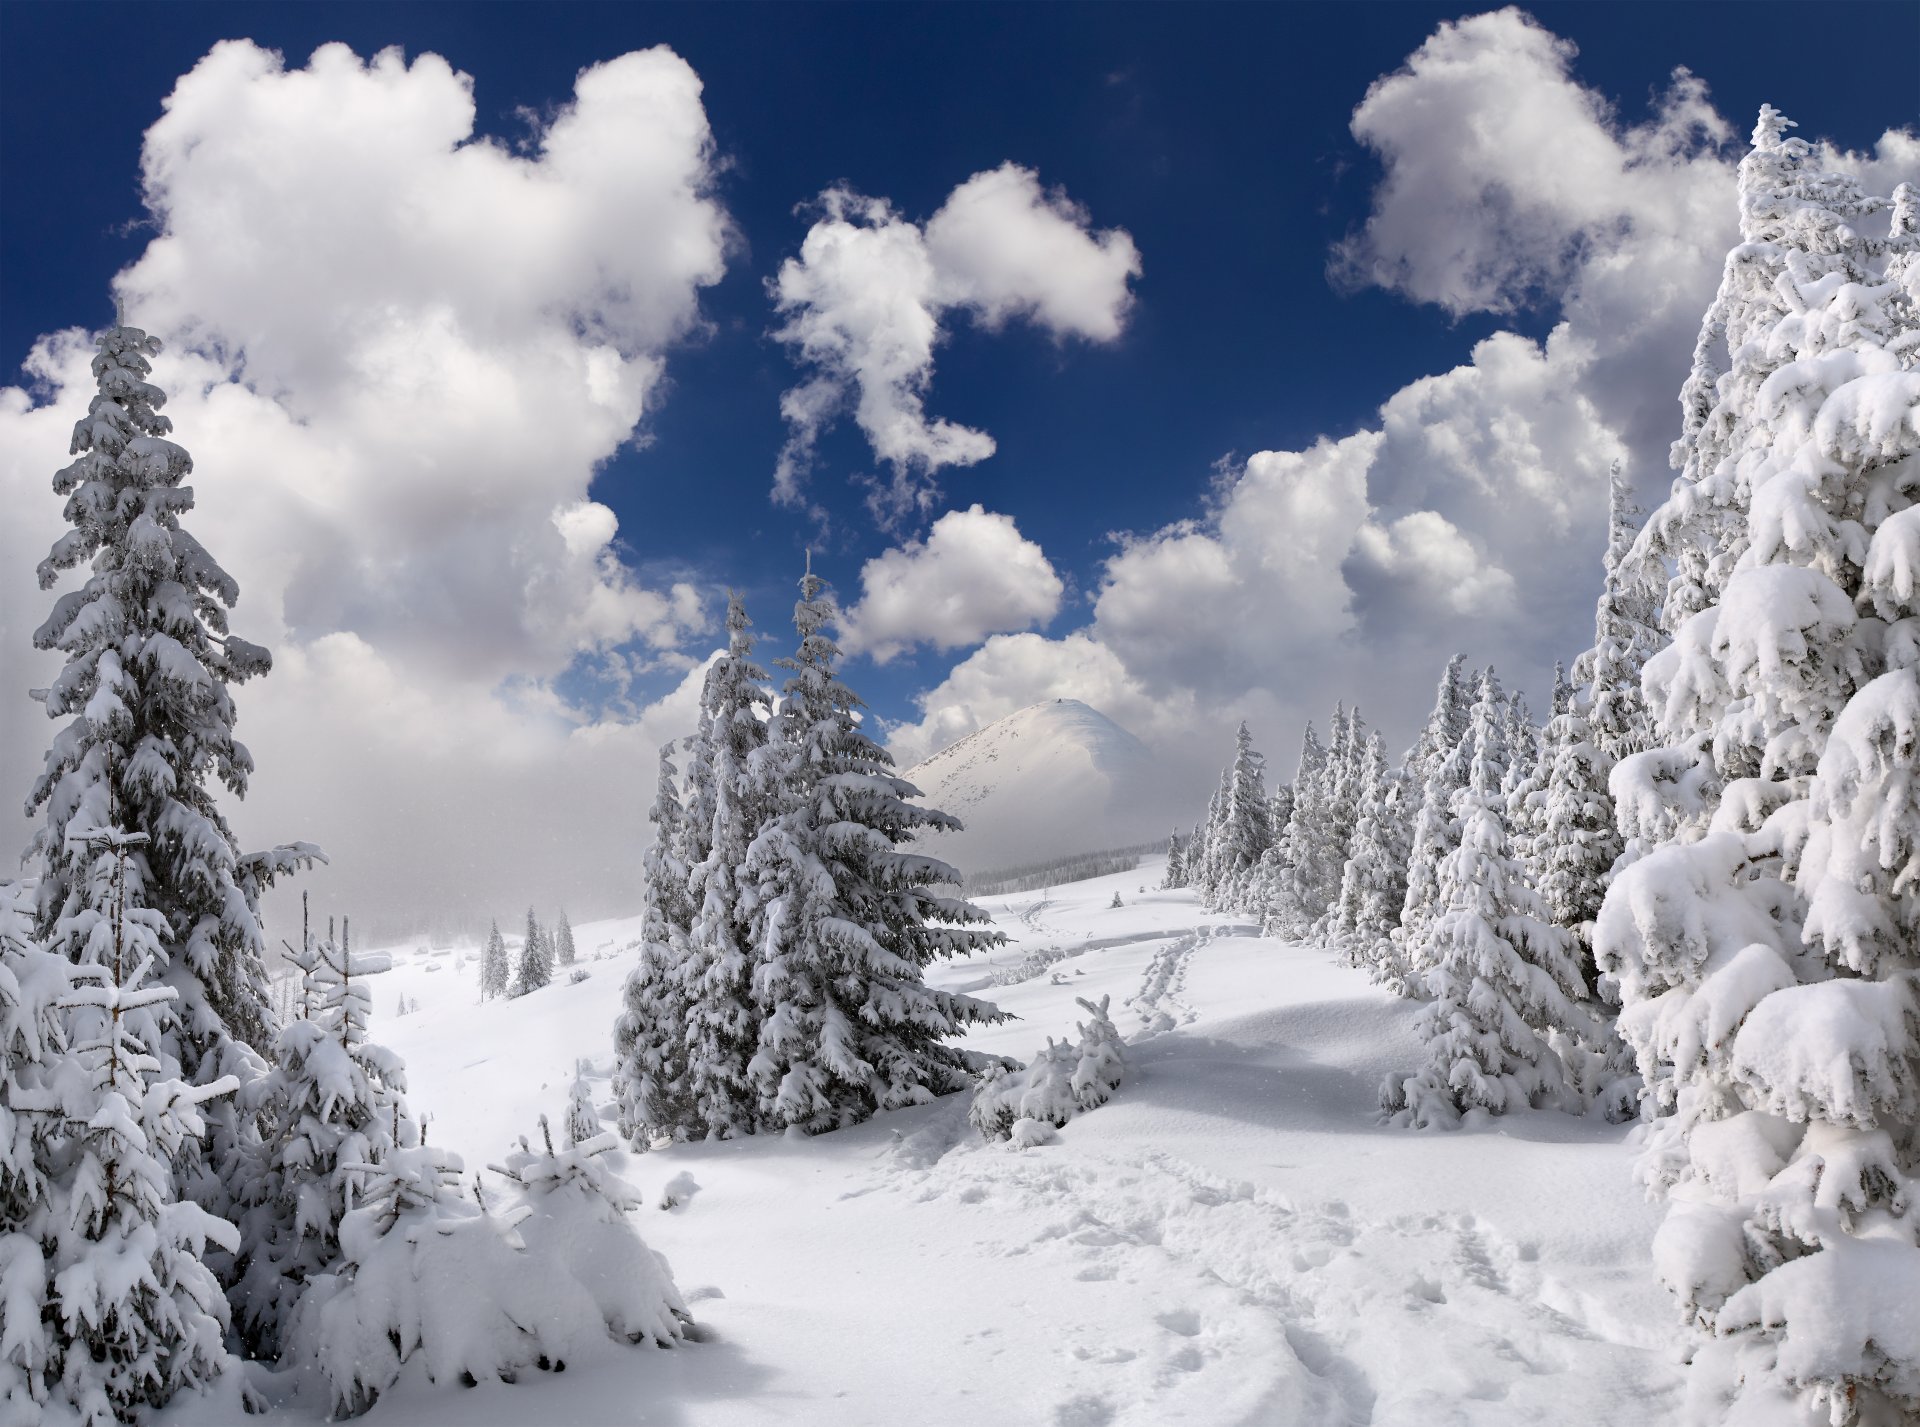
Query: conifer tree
x=1242 y=831
x=1176 y=876
x=563 y=948
x=844 y=921
x=136 y=1314
x=332 y=1110
x=1373 y=885
x=583 y=1116
x=536 y=959
x=1764 y=938
x=1503 y=979
x=1298 y=880
x=1435 y=830
x=495 y=967
x=722 y=1025
x=145 y=692
x=649 y=1035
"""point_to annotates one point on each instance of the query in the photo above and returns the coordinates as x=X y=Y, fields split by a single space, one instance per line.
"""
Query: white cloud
x=398 y=355
x=1465 y=516
x=870 y=296
x=974 y=575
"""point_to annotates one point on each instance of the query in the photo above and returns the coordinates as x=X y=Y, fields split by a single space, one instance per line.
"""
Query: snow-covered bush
x=1061 y=1081
x=576 y=1223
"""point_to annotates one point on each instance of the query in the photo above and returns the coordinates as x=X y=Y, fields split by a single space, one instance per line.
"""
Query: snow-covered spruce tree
x=1626 y=633
x=649 y=1035
x=844 y=921
x=134 y=1314
x=564 y=951
x=1300 y=879
x=723 y=1023
x=37 y=1075
x=496 y=970
x=1061 y=1081
x=1445 y=725
x=1765 y=943
x=583 y=1116
x=1373 y=885
x=1502 y=977
x=1176 y=876
x=536 y=959
x=1242 y=831
x=149 y=730
x=330 y=1112
x=1435 y=831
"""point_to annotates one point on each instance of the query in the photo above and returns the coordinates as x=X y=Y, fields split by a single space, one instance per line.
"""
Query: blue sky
x=1220 y=140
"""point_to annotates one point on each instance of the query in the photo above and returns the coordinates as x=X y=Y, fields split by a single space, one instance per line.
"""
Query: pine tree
x=536 y=959
x=1242 y=830
x=37 y=1071
x=722 y=1025
x=563 y=948
x=649 y=1035
x=1373 y=885
x=1176 y=864
x=1435 y=829
x=1625 y=635
x=137 y=1316
x=146 y=691
x=495 y=968
x=1299 y=879
x=1446 y=725
x=844 y=922
x=583 y=1116
x=1764 y=937
x=332 y=1110
x=1503 y=979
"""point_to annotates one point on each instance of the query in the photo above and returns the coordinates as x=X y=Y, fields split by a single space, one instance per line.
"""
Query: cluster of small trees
x=184 y=1176
x=1469 y=876
x=785 y=930
x=1720 y=823
x=501 y=974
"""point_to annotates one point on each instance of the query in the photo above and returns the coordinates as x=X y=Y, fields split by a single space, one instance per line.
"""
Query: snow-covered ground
x=1231 y=1240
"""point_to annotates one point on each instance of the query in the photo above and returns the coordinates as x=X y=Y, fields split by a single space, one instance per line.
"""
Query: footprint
x=1188 y=1359
x=1095 y=1273
x=1083 y=1411
x=1183 y=1321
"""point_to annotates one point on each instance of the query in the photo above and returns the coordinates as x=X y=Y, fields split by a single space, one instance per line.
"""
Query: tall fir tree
x=1764 y=937
x=136 y=1314
x=1298 y=880
x=1503 y=979
x=535 y=968
x=722 y=1026
x=564 y=951
x=1373 y=884
x=649 y=1035
x=149 y=731
x=1176 y=874
x=496 y=968
x=845 y=922
x=1442 y=769
x=1241 y=830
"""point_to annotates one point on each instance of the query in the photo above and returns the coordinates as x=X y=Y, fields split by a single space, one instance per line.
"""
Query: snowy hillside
x=1232 y=1239
x=1054 y=779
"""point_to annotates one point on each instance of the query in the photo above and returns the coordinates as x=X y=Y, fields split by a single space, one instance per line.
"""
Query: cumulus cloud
x=1464 y=516
x=974 y=575
x=398 y=355
x=872 y=294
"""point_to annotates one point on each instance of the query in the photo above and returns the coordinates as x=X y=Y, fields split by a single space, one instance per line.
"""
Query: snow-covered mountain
x=1054 y=779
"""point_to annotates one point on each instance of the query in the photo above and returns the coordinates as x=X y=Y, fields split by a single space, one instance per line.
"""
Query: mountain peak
x=1049 y=780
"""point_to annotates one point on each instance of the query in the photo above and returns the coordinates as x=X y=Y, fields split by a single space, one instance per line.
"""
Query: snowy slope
x=1231 y=1240
x=1054 y=779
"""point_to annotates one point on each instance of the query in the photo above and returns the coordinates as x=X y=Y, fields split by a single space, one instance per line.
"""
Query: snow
x=1231 y=1238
